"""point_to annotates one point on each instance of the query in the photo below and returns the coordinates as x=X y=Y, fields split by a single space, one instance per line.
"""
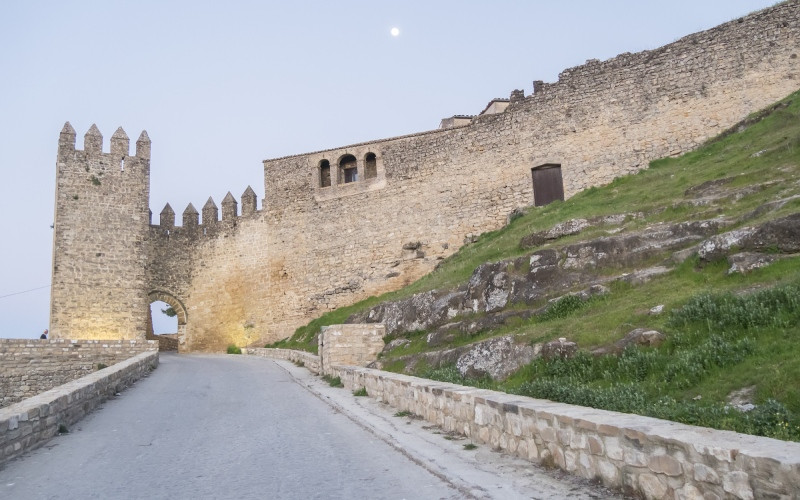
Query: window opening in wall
x=347 y=167
x=324 y=173
x=370 y=166
x=548 y=185
x=122 y=164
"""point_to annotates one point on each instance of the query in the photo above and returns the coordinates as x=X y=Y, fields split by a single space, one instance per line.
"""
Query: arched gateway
x=180 y=313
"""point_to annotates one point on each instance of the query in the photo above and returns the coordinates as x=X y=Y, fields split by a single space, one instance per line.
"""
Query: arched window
x=347 y=169
x=324 y=173
x=370 y=166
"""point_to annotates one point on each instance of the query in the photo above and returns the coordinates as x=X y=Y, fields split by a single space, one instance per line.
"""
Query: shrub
x=234 y=349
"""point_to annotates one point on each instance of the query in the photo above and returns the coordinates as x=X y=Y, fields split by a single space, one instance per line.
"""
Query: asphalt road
x=217 y=426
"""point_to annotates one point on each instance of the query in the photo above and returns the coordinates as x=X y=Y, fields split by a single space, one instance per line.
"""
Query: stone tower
x=99 y=244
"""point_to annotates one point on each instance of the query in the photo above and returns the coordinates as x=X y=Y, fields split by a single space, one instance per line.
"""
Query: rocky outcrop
x=498 y=357
x=776 y=236
x=574 y=226
x=484 y=301
x=642 y=337
x=538 y=281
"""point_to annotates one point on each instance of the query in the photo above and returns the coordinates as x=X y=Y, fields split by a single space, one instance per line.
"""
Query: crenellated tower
x=99 y=289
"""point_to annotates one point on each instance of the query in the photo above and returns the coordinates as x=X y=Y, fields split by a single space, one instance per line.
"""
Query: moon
x=394 y=32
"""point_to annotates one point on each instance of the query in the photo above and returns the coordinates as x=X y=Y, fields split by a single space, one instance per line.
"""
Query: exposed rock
x=394 y=344
x=708 y=187
x=745 y=262
x=641 y=276
x=570 y=227
x=561 y=348
x=418 y=312
x=477 y=324
x=440 y=337
x=630 y=249
x=681 y=255
x=718 y=245
x=433 y=359
x=742 y=399
x=573 y=226
x=656 y=310
x=498 y=357
x=593 y=291
x=639 y=337
x=779 y=235
x=769 y=207
x=584 y=295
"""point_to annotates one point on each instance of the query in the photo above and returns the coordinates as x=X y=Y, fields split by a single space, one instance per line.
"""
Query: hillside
x=674 y=292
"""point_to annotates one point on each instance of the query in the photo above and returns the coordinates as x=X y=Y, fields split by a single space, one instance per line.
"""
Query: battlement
x=93 y=143
x=211 y=224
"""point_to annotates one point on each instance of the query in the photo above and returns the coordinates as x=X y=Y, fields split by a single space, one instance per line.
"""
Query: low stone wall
x=350 y=345
x=640 y=455
x=30 y=367
x=309 y=360
x=28 y=424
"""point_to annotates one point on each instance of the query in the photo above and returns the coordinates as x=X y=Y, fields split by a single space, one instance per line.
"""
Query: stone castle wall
x=253 y=278
x=30 y=367
x=99 y=241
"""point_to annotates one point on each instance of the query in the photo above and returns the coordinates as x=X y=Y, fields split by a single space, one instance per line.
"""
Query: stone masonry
x=353 y=345
x=26 y=425
x=340 y=225
x=30 y=367
x=643 y=456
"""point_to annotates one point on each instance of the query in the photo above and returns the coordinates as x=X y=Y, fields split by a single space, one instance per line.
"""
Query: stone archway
x=180 y=310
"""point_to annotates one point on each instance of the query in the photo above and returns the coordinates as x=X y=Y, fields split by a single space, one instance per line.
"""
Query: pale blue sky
x=221 y=86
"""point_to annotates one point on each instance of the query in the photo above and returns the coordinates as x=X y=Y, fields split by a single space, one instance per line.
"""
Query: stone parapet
x=28 y=424
x=644 y=456
x=309 y=360
x=357 y=345
x=30 y=367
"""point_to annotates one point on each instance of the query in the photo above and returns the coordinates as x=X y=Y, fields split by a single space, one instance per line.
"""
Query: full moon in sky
x=395 y=32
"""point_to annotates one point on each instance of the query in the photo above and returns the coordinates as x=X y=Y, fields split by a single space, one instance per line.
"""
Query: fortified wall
x=340 y=225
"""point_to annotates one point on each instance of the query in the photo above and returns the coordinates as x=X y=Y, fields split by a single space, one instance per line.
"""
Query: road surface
x=221 y=426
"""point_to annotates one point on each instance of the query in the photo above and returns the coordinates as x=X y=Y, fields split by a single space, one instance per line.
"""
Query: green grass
x=234 y=349
x=718 y=339
x=715 y=343
x=360 y=392
x=333 y=381
x=657 y=192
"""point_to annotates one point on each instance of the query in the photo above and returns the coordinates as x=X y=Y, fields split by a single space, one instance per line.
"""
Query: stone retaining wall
x=350 y=345
x=30 y=366
x=640 y=455
x=309 y=360
x=28 y=424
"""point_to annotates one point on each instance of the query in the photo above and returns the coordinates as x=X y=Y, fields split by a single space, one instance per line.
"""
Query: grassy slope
x=766 y=153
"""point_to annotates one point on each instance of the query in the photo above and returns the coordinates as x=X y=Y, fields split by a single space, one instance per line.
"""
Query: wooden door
x=548 y=186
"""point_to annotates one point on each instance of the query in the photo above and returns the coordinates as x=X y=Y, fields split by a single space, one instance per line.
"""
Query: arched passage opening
x=167 y=341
